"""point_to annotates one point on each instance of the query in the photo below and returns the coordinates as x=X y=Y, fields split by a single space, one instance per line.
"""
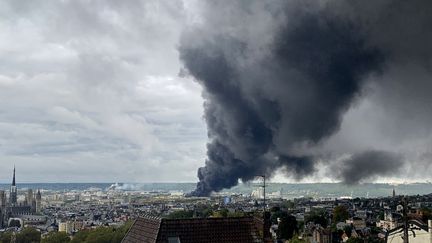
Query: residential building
x=195 y=230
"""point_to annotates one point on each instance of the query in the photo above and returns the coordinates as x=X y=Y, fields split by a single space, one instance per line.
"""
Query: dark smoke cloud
x=368 y=165
x=277 y=79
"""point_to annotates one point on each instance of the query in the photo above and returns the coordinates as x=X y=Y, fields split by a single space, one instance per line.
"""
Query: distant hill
x=290 y=190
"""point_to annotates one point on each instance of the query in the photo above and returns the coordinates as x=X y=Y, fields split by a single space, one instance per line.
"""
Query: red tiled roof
x=196 y=230
x=143 y=230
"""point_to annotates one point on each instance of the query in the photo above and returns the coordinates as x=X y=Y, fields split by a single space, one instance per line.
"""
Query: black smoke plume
x=367 y=165
x=277 y=78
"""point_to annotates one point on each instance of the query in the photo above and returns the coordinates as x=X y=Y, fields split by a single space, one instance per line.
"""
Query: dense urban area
x=106 y=214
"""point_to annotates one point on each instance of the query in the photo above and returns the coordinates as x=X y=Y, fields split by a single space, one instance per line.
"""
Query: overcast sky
x=92 y=91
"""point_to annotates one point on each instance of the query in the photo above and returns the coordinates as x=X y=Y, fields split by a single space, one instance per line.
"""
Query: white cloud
x=90 y=92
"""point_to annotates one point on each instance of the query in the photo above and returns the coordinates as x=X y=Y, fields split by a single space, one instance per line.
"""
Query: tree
x=296 y=239
x=274 y=209
x=236 y=214
x=98 y=235
x=340 y=214
x=121 y=232
x=203 y=211
x=275 y=215
x=381 y=215
x=348 y=229
x=317 y=216
x=15 y=223
x=223 y=213
x=28 y=235
x=56 y=237
x=102 y=234
x=426 y=214
x=354 y=240
x=289 y=204
x=181 y=214
x=287 y=227
x=5 y=237
x=81 y=236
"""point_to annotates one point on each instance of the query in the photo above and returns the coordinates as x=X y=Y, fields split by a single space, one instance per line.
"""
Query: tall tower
x=38 y=201
x=29 y=197
x=394 y=192
x=2 y=199
x=2 y=207
x=13 y=191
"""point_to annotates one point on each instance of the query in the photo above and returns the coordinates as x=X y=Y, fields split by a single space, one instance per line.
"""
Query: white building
x=258 y=193
x=391 y=221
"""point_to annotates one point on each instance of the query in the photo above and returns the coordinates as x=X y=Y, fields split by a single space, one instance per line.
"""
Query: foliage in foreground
x=98 y=235
x=56 y=237
x=27 y=235
x=102 y=234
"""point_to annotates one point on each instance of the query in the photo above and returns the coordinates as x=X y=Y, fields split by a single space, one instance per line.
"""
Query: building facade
x=11 y=208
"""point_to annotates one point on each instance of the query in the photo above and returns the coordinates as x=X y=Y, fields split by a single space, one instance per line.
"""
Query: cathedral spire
x=13 y=191
x=13 y=180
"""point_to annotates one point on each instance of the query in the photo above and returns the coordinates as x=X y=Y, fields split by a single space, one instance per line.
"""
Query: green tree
x=381 y=215
x=236 y=214
x=56 y=237
x=28 y=235
x=223 y=213
x=203 y=211
x=181 y=214
x=274 y=209
x=121 y=232
x=289 y=204
x=102 y=234
x=317 y=216
x=426 y=214
x=340 y=214
x=5 y=237
x=275 y=215
x=81 y=236
x=295 y=239
x=348 y=229
x=354 y=240
x=287 y=226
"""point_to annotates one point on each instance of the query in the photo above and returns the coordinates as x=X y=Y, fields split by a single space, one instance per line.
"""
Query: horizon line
x=170 y=182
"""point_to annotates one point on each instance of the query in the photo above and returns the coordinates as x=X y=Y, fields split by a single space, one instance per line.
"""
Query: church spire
x=13 y=191
x=13 y=180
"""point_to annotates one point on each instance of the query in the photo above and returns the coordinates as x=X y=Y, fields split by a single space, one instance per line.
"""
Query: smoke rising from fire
x=278 y=77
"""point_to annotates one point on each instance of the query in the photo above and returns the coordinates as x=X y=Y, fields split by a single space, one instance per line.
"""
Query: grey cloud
x=258 y=108
x=96 y=83
x=278 y=78
x=368 y=165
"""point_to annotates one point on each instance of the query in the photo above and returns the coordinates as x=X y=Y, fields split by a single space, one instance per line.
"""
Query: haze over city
x=139 y=91
x=208 y=121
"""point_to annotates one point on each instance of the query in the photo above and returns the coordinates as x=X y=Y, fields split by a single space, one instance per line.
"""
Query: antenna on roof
x=264 y=191
x=405 y=220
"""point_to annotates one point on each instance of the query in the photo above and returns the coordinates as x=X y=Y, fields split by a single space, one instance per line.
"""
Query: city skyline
x=301 y=121
x=99 y=92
